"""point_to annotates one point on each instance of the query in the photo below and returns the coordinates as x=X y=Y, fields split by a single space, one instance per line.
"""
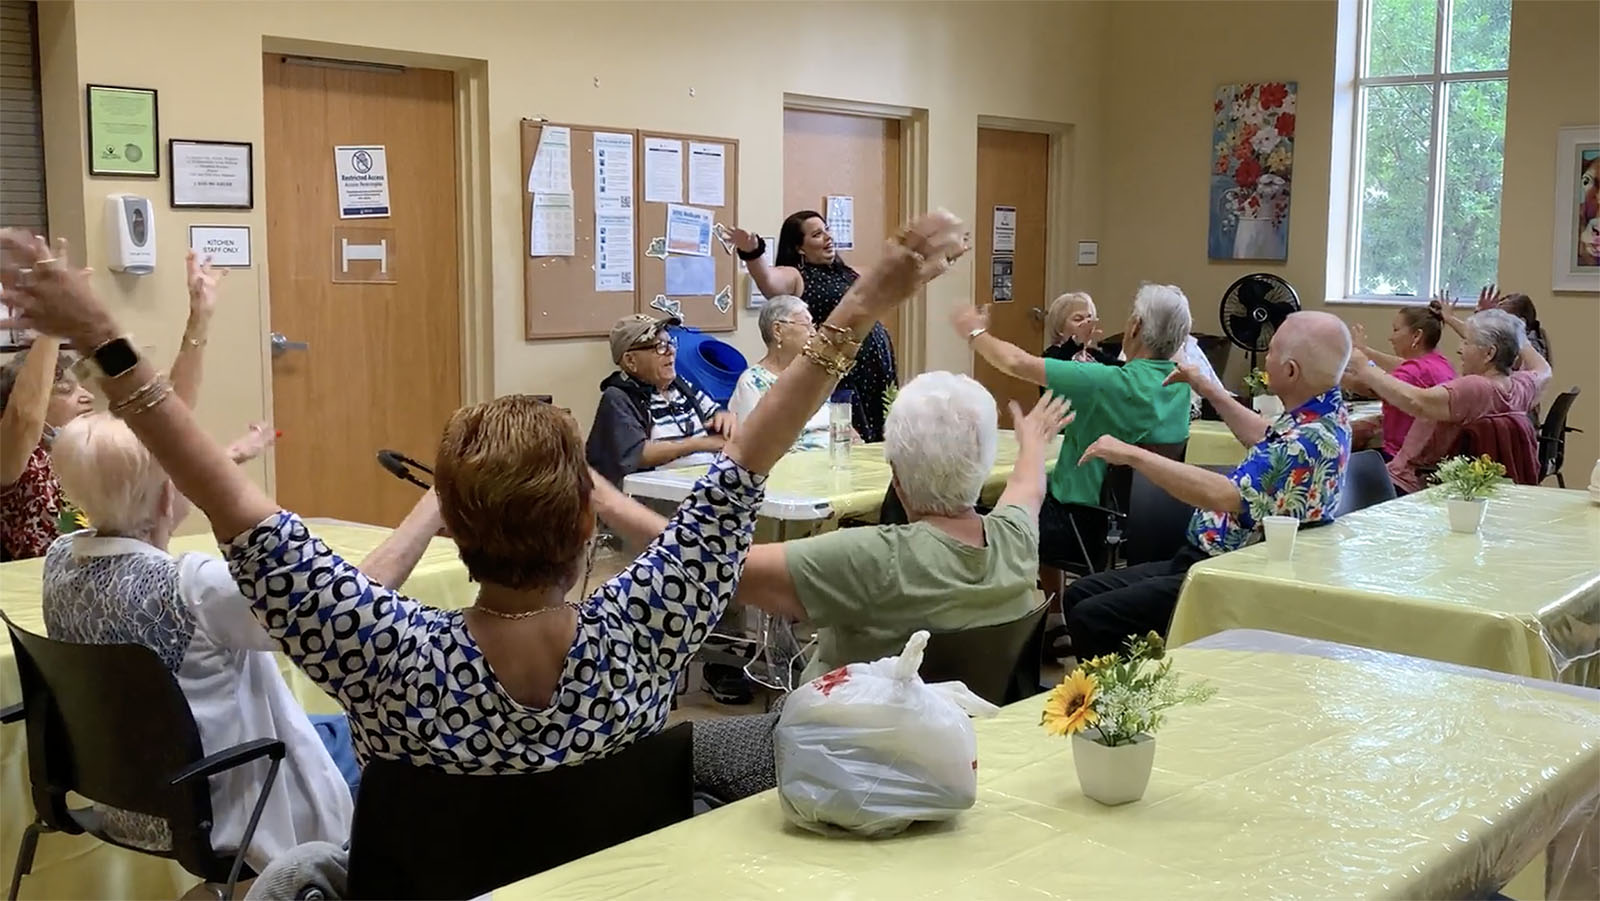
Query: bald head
x=1318 y=344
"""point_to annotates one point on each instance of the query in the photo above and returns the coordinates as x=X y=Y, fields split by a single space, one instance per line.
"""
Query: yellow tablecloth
x=1304 y=777
x=83 y=867
x=1521 y=596
x=1212 y=444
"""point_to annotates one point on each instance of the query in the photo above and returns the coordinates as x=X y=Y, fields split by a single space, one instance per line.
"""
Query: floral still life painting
x=1252 y=166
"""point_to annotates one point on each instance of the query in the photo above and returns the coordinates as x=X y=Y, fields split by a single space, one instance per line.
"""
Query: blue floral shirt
x=1294 y=471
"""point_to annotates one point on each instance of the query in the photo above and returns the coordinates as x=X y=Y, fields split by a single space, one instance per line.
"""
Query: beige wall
x=957 y=61
x=1158 y=132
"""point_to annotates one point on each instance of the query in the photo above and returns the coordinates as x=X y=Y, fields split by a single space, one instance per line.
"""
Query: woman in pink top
x=1414 y=336
x=1503 y=373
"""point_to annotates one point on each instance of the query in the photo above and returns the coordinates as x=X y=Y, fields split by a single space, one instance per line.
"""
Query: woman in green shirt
x=1128 y=402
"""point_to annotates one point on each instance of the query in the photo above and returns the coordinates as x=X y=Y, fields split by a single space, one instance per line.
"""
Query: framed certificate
x=124 y=138
x=211 y=175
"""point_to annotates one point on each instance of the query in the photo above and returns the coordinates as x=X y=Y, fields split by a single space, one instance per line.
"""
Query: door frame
x=473 y=215
x=1059 y=263
x=913 y=317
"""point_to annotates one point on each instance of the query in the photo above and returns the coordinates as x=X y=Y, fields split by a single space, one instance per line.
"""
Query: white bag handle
x=910 y=659
x=962 y=696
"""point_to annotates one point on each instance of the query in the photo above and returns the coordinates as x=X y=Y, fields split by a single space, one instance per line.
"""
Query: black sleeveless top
x=874 y=369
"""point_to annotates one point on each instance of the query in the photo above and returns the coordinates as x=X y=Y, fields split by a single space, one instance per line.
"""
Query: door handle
x=282 y=345
x=1037 y=313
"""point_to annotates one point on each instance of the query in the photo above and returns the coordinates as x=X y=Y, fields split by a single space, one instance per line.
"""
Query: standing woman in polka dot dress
x=808 y=268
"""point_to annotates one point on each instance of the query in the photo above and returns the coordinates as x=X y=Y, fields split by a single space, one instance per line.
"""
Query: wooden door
x=856 y=156
x=1013 y=171
x=382 y=363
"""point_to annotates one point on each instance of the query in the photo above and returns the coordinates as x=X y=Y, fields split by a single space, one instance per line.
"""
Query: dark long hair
x=792 y=235
x=1521 y=306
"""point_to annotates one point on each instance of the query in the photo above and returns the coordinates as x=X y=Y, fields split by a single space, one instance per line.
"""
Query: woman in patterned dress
x=808 y=268
x=524 y=680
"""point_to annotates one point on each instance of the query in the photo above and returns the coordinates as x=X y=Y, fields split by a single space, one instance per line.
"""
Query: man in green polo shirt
x=1128 y=402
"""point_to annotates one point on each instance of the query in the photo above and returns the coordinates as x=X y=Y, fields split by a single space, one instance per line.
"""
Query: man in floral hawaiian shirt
x=1294 y=467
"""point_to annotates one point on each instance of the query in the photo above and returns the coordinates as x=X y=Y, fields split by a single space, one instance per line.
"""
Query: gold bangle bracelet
x=143 y=397
x=156 y=400
x=837 y=364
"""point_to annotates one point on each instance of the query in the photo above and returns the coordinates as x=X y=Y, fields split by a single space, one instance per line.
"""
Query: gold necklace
x=526 y=613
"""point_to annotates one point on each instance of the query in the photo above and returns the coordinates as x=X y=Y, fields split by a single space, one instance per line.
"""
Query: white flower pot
x=1466 y=516
x=1267 y=405
x=1113 y=775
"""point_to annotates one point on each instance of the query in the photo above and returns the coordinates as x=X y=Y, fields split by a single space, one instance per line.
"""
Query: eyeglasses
x=663 y=345
x=800 y=322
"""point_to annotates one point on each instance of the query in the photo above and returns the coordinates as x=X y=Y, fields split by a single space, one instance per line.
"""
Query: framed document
x=211 y=175
x=124 y=138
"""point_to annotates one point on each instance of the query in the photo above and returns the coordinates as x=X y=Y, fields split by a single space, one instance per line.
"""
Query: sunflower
x=1070 y=706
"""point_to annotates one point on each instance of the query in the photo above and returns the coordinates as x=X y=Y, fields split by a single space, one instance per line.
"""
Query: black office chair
x=1115 y=502
x=1366 y=483
x=1157 y=524
x=109 y=722
x=478 y=833
x=993 y=661
x=1553 y=437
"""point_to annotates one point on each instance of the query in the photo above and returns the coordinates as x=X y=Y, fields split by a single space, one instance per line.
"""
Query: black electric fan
x=1252 y=309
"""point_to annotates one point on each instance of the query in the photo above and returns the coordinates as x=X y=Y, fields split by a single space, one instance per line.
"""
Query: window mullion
x=1436 y=150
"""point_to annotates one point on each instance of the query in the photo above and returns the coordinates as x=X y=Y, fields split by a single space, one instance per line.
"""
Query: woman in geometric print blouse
x=522 y=681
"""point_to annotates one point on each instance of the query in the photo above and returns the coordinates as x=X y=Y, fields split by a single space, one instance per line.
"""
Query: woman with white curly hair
x=786 y=325
x=1501 y=372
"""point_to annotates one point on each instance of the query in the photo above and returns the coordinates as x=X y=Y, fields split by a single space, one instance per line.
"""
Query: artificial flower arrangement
x=1257 y=383
x=1468 y=479
x=1120 y=696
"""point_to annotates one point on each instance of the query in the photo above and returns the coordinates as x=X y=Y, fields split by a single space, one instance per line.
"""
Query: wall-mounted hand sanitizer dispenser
x=130 y=234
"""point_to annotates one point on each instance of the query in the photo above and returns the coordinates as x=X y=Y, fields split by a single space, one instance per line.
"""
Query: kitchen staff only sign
x=363 y=176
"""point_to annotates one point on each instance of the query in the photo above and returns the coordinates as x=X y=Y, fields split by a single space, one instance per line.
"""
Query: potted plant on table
x=1468 y=484
x=1262 y=400
x=1112 y=706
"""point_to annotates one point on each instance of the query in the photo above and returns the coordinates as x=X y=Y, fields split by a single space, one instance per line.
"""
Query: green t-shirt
x=868 y=589
x=1126 y=402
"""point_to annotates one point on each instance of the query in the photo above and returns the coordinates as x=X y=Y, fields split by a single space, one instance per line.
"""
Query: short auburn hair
x=514 y=489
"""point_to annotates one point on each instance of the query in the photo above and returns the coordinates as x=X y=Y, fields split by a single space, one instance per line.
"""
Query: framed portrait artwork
x=1576 y=266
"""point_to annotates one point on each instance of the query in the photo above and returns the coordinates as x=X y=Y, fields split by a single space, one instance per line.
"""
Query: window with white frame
x=1430 y=123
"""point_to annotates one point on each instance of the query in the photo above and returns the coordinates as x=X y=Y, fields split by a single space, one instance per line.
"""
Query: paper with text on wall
x=613 y=172
x=841 y=219
x=551 y=231
x=707 y=174
x=361 y=172
x=756 y=298
x=688 y=230
x=663 y=170
x=551 y=172
x=1005 y=229
x=613 y=251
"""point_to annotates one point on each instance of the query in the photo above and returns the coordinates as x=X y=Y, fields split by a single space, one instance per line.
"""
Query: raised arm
x=772 y=280
x=1026 y=486
x=1247 y=425
x=1446 y=308
x=188 y=367
x=921 y=251
x=1429 y=403
x=1386 y=361
x=1530 y=360
x=1192 y=485
x=60 y=301
x=972 y=324
x=391 y=563
x=23 y=421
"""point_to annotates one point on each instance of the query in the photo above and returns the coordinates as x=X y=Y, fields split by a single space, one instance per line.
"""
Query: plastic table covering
x=1212 y=444
x=1520 y=596
x=1382 y=777
x=804 y=488
x=79 y=866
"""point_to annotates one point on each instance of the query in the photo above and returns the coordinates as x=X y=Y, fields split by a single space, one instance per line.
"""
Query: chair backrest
x=1117 y=486
x=1366 y=482
x=1553 y=434
x=477 y=833
x=1158 y=523
x=1507 y=438
x=109 y=722
x=984 y=658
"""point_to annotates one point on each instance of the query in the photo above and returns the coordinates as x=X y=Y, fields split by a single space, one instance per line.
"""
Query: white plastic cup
x=1280 y=532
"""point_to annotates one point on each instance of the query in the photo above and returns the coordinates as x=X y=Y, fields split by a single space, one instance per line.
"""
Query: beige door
x=855 y=156
x=375 y=302
x=1013 y=171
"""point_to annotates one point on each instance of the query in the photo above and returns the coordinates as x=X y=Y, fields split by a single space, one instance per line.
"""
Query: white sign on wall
x=228 y=246
x=362 y=173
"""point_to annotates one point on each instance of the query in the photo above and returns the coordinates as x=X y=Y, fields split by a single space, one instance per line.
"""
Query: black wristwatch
x=108 y=361
x=758 y=253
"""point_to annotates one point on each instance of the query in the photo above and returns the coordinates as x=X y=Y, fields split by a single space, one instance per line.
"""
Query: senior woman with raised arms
x=523 y=680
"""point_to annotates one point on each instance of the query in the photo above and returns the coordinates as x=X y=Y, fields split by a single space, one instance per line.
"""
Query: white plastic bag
x=870 y=748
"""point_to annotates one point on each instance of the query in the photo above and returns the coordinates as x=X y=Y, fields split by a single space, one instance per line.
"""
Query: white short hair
x=776 y=308
x=110 y=476
x=1164 y=320
x=940 y=439
x=1502 y=333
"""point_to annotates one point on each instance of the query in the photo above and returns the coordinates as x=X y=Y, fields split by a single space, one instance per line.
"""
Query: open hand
x=968 y=319
x=1109 y=449
x=48 y=294
x=1445 y=307
x=1358 y=335
x=1489 y=297
x=249 y=446
x=203 y=281
x=744 y=240
x=1044 y=422
x=923 y=250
